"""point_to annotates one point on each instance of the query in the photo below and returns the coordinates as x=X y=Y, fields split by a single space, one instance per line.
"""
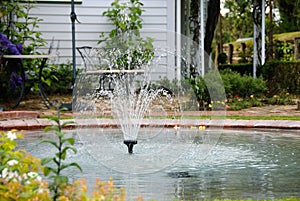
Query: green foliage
x=19 y=171
x=284 y=98
x=222 y=58
x=279 y=75
x=125 y=17
x=62 y=145
x=58 y=79
x=284 y=51
x=289 y=15
x=282 y=77
x=200 y=89
x=238 y=22
x=241 y=91
x=242 y=86
x=20 y=179
x=20 y=28
x=135 y=50
x=209 y=91
x=242 y=69
x=237 y=103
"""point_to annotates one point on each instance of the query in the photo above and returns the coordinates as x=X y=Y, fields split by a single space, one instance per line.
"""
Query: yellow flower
x=202 y=127
x=252 y=96
x=176 y=127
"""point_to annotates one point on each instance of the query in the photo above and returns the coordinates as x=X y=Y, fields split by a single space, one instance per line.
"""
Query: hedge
x=279 y=76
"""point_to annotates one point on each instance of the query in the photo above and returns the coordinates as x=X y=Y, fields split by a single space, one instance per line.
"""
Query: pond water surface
x=241 y=164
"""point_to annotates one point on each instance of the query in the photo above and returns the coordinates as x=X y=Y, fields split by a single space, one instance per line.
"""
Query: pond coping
x=41 y=123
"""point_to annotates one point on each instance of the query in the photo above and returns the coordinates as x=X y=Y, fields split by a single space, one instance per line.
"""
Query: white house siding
x=56 y=23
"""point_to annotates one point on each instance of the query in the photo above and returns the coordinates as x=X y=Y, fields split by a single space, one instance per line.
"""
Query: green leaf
x=47 y=170
x=54 y=118
x=48 y=128
x=71 y=165
x=58 y=180
x=71 y=140
x=63 y=155
x=68 y=123
x=45 y=161
x=59 y=134
x=68 y=147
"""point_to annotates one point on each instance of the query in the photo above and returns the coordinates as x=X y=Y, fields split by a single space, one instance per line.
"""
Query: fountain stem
x=130 y=144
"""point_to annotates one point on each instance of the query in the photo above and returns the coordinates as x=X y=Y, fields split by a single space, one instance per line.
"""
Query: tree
x=289 y=15
x=239 y=18
x=213 y=11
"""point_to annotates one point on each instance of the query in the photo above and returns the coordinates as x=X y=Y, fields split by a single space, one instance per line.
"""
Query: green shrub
x=19 y=171
x=282 y=76
x=209 y=91
x=20 y=28
x=242 y=86
x=243 y=69
x=59 y=78
x=284 y=98
x=279 y=75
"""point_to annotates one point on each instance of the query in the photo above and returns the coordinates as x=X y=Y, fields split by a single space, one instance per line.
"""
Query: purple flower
x=6 y=46
x=13 y=49
x=3 y=37
x=12 y=80
x=16 y=80
x=20 y=48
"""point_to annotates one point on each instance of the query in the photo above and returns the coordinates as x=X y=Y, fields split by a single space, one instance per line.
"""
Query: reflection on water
x=243 y=164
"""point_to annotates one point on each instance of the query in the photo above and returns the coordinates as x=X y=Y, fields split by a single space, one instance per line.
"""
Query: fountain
x=130 y=144
x=139 y=97
x=174 y=156
x=245 y=164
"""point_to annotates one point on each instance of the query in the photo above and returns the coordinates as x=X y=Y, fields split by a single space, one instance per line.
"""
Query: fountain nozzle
x=130 y=144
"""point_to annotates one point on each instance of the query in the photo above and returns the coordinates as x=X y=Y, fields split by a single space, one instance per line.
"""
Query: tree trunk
x=213 y=11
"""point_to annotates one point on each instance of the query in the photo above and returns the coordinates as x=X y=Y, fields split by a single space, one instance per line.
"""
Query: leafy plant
x=62 y=145
x=284 y=51
x=56 y=79
x=209 y=91
x=20 y=28
x=242 y=86
x=284 y=98
x=19 y=171
x=129 y=49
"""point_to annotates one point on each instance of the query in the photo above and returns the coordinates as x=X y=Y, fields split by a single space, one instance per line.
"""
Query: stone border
x=41 y=123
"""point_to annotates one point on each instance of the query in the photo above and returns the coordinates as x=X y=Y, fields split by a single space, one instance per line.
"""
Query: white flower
x=32 y=174
x=25 y=176
x=12 y=175
x=12 y=162
x=11 y=135
x=4 y=173
x=38 y=178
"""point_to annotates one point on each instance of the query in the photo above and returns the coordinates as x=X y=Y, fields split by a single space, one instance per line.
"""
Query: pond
x=238 y=164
